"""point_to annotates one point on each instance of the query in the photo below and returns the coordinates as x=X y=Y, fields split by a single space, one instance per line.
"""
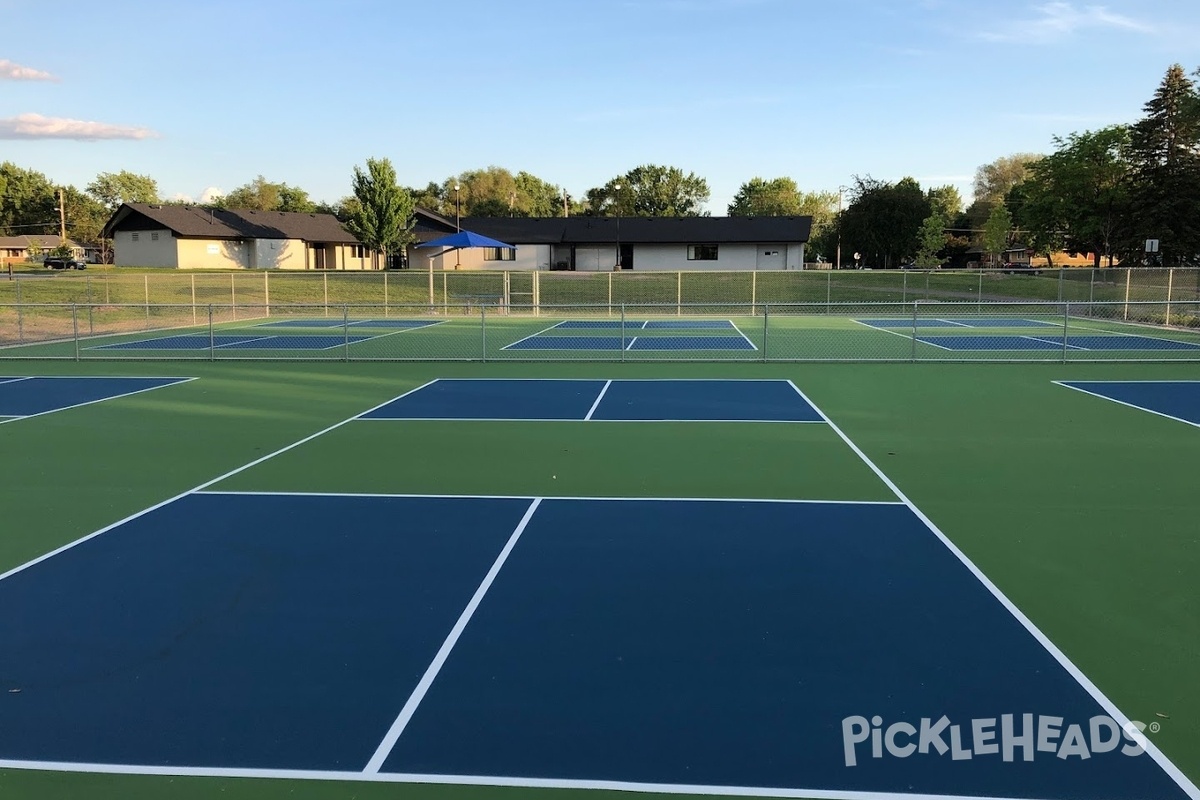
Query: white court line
x=596 y=404
x=7 y=418
x=1163 y=762
x=366 y=323
x=484 y=780
x=632 y=380
x=609 y=421
x=196 y=489
x=790 y=501
x=14 y=380
x=1075 y=322
x=631 y=341
x=1127 y=404
x=951 y=322
x=246 y=341
x=174 y=382
x=435 y=666
x=1058 y=343
x=532 y=335
x=744 y=336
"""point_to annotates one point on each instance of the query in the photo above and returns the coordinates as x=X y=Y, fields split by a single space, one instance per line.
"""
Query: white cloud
x=211 y=193
x=1056 y=21
x=11 y=71
x=36 y=126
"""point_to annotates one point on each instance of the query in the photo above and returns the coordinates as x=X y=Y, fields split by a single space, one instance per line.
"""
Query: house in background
x=16 y=249
x=189 y=237
x=592 y=244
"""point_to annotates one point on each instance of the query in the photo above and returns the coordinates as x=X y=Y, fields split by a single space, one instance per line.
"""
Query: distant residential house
x=190 y=237
x=590 y=244
x=14 y=249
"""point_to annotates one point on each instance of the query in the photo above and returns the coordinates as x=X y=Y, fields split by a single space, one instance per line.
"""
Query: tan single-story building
x=191 y=237
x=600 y=244
x=17 y=249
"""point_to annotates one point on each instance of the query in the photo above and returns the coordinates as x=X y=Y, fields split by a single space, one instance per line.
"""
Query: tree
x=778 y=197
x=263 y=195
x=883 y=220
x=383 y=218
x=494 y=192
x=993 y=181
x=650 y=191
x=29 y=202
x=945 y=200
x=996 y=232
x=111 y=189
x=1164 y=151
x=538 y=198
x=931 y=240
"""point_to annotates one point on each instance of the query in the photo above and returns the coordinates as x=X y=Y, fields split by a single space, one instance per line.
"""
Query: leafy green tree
x=383 y=218
x=883 y=220
x=931 y=240
x=111 y=189
x=650 y=191
x=263 y=195
x=993 y=181
x=85 y=217
x=996 y=232
x=493 y=192
x=778 y=197
x=945 y=200
x=1164 y=151
x=28 y=203
x=538 y=198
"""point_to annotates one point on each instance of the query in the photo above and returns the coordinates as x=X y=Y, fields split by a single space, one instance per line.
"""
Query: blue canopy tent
x=458 y=241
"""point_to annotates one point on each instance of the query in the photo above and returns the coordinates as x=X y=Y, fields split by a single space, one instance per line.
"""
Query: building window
x=702 y=252
x=154 y=237
x=133 y=237
x=358 y=251
x=499 y=254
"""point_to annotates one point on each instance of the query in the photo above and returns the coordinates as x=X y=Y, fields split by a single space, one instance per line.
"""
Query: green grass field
x=1082 y=511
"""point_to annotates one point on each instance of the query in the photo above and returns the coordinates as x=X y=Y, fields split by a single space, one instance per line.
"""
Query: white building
x=600 y=244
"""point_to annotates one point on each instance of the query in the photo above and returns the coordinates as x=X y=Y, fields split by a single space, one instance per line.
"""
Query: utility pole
x=62 y=218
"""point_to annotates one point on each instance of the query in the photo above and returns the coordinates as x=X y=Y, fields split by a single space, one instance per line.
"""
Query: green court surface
x=1083 y=512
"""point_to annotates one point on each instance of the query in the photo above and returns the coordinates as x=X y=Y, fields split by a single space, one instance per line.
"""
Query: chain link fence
x=483 y=329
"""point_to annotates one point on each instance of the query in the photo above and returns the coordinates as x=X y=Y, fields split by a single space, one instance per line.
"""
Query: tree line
x=1100 y=192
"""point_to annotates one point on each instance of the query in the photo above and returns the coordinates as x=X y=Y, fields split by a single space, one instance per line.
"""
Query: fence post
x=766 y=315
x=20 y=314
x=1061 y=275
x=537 y=294
x=91 y=309
x=679 y=293
x=385 y=293
x=507 y=292
x=913 y=356
x=828 y=290
x=1066 y=325
x=193 y=299
x=445 y=296
x=753 y=291
x=232 y=296
x=610 y=293
x=325 y=283
x=1170 y=291
x=904 y=288
x=75 y=328
x=267 y=293
x=483 y=329
x=345 y=332
x=1092 y=292
x=979 y=298
x=1128 y=273
x=212 y=342
x=622 y=345
x=146 y=289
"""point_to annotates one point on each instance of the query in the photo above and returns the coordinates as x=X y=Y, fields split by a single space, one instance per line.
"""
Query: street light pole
x=457 y=227
x=617 y=189
x=838 y=264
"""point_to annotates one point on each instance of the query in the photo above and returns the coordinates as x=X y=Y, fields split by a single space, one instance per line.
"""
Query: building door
x=318 y=258
x=626 y=260
x=771 y=256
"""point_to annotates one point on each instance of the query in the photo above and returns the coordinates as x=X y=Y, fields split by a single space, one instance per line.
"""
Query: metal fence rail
x=525 y=291
x=700 y=330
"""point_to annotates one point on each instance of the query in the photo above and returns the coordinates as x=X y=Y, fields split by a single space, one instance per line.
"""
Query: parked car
x=1013 y=268
x=55 y=262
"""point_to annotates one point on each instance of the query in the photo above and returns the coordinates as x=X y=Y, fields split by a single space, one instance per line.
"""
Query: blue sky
x=204 y=95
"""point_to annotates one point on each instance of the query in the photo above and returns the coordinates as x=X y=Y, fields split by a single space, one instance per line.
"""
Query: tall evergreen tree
x=1165 y=156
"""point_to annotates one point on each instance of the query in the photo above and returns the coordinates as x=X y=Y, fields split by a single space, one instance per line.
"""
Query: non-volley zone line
x=648 y=324
x=437 y=616
x=1176 y=400
x=34 y=396
x=222 y=341
x=958 y=322
x=697 y=400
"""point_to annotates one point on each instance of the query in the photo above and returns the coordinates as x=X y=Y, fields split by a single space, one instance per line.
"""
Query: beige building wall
x=213 y=254
x=277 y=254
x=145 y=249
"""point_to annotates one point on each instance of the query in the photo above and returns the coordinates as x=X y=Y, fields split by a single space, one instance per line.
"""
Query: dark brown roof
x=201 y=223
x=48 y=241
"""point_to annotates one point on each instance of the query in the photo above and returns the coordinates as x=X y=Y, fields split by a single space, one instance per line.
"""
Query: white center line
x=596 y=404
